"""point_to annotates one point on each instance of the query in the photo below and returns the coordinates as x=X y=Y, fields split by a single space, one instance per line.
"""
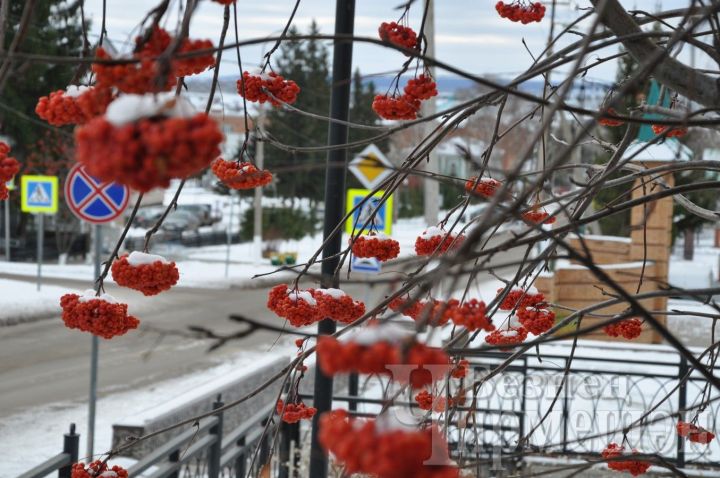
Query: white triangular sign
x=39 y=196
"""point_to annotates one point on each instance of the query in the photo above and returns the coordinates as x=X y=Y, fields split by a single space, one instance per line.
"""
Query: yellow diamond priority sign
x=371 y=167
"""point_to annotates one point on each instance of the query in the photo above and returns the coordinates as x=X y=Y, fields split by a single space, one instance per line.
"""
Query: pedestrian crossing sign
x=39 y=194
x=364 y=218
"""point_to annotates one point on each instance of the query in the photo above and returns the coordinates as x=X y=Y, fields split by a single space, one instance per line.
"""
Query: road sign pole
x=40 y=237
x=94 y=355
x=334 y=211
x=7 y=230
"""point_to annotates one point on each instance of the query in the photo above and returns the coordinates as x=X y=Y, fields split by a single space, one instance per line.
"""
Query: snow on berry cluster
x=144 y=141
x=386 y=447
x=486 y=187
x=371 y=350
x=9 y=167
x=147 y=273
x=508 y=336
x=694 y=433
x=615 y=451
x=436 y=240
x=421 y=88
x=627 y=328
x=521 y=11
x=100 y=315
x=337 y=305
x=74 y=105
x=401 y=107
x=294 y=412
x=538 y=217
x=518 y=297
x=610 y=122
x=268 y=87
x=672 y=132
x=537 y=320
x=97 y=469
x=143 y=76
x=399 y=35
x=299 y=307
x=240 y=175
x=379 y=246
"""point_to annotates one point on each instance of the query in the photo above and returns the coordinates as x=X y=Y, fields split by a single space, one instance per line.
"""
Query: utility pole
x=260 y=163
x=334 y=205
x=431 y=186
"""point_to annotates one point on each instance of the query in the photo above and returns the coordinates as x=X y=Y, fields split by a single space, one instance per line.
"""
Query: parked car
x=202 y=211
x=146 y=217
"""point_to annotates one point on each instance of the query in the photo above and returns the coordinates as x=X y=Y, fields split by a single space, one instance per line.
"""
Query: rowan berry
x=299 y=307
x=268 y=87
x=405 y=307
x=518 y=297
x=240 y=175
x=396 y=107
x=605 y=121
x=535 y=319
x=461 y=369
x=379 y=246
x=294 y=412
x=471 y=315
x=147 y=273
x=225 y=2
x=337 y=305
x=435 y=240
x=100 y=315
x=486 y=187
x=426 y=401
x=421 y=88
x=509 y=336
x=628 y=328
x=672 y=131
x=521 y=11
x=9 y=167
x=538 y=217
x=397 y=34
x=634 y=467
x=97 y=469
x=694 y=433
x=61 y=107
x=194 y=64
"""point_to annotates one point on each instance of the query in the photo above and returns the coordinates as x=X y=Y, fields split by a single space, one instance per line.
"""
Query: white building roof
x=667 y=151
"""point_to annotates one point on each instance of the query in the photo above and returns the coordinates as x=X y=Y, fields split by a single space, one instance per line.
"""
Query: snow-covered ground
x=20 y=301
x=35 y=435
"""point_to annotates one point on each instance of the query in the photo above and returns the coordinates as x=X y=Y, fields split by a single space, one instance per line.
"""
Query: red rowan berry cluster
x=421 y=88
x=257 y=88
x=634 y=467
x=605 y=121
x=421 y=355
x=100 y=316
x=436 y=240
x=509 y=336
x=337 y=305
x=147 y=152
x=95 y=101
x=538 y=217
x=224 y=2
x=403 y=306
x=672 y=131
x=486 y=187
x=299 y=307
x=520 y=11
x=441 y=313
x=471 y=315
x=147 y=273
x=294 y=412
x=398 y=35
x=384 y=449
x=97 y=469
x=461 y=369
x=9 y=167
x=195 y=64
x=518 y=297
x=336 y=357
x=426 y=401
x=627 y=328
x=536 y=320
x=402 y=107
x=59 y=109
x=694 y=433
x=237 y=175
x=379 y=246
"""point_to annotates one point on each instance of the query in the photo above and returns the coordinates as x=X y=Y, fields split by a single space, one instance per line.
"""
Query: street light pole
x=334 y=202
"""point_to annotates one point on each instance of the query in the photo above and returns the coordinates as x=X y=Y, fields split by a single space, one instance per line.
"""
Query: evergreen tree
x=54 y=29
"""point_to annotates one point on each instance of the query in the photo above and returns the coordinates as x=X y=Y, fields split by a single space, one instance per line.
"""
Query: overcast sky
x=469 y=33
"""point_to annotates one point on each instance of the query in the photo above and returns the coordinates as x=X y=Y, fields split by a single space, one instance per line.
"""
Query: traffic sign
x=371 y=166
x=39 y=194
x=368 y=265
x=381 y=222
x=93 y=200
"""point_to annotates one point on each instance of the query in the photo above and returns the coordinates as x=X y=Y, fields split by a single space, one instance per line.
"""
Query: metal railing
x=62 y=462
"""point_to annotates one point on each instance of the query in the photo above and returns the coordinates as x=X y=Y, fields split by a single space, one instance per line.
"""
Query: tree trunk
x=689 y=246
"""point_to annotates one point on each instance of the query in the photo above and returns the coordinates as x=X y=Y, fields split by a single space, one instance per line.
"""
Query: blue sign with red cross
x=93 y=200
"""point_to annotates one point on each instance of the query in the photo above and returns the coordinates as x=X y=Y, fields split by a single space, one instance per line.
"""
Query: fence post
x=353 y=390
x=215 y=450
x=682 y=403
x=71 y=442
x=241 y=460
x=286 y=438
x=264 y=448
x=565 y=412
x=174 y=458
